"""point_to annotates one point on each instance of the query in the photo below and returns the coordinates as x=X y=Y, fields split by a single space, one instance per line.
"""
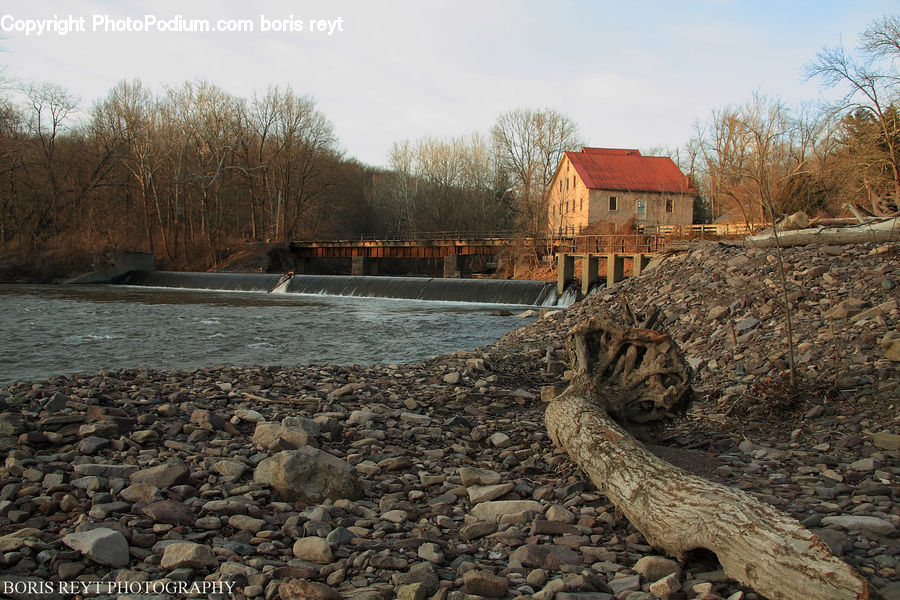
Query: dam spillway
x=487 y=291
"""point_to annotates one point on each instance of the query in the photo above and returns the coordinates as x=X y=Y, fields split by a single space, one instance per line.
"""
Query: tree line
x=476 y=184
x=764 y=156
x=193 y=172
x=186 y=174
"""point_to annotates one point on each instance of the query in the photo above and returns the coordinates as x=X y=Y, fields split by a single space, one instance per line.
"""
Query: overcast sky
x=631 y=74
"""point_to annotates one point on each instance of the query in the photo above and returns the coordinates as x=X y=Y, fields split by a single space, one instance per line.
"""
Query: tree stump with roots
x=624 y=375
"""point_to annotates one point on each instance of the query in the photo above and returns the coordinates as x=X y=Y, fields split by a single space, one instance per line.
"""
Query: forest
x=192 y=173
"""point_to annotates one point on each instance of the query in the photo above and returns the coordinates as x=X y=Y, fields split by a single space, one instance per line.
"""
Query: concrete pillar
x=590 y=273
x=363 y=265
x=565 y=271
x=641 y=261
x=615 y=268
x=453 y=266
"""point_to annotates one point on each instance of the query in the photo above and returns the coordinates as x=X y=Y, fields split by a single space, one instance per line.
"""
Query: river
x=61 y=330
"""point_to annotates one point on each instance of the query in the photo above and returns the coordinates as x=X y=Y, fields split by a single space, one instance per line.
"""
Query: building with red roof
x=612 y=185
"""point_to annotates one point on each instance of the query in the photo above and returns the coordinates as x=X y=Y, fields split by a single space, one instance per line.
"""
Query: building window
x=670 y=205
x=613 y=202
x=573 y=182
x=641 y=210
x=567 y=184
x=560 y=185
x=581 y=204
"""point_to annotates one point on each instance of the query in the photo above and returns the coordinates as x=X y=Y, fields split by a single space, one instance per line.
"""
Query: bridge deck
x=447 y=245
x=398 y=248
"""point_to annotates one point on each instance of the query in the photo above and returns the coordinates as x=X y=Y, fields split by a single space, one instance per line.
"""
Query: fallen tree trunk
x=793 y=222
x=875 y=231
x=756 y=544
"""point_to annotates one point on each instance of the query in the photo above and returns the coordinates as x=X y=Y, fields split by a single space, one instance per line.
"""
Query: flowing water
x=489 y=291
x=55 y=330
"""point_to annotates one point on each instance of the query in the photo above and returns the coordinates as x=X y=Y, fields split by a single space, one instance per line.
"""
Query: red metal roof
x=611 y=151
x=628 y=170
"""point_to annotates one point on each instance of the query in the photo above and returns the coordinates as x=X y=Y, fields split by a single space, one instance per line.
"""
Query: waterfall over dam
x=488 y=291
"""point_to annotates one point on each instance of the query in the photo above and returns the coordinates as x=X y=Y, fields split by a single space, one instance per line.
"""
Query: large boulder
x=313 y=549
x=654 y=568
x=485 y=583
x=188 y=554
x=102 y=545
x=169 y=511
x=309 y=475
x=495 y=510
x=163 y=476
x=275 y=436
x=12 y=424
x=300 y=589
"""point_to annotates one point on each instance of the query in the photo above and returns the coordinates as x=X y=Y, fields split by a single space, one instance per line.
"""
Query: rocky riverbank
x=446 y=482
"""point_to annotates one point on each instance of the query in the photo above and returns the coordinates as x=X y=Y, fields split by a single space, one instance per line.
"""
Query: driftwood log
x=797 y=220
x=878 y=231
x=624 y=374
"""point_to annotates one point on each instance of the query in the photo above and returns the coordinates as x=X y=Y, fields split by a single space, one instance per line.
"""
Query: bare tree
x=10 y=124
x=206 y=118
x=260 y=145
x=11 y=160
x=46 y=174
x=403 y=185
x=725 y=152
x=529 y=145
x=882 y=37
x=441 y=185
x=397 y=190
x=487 y=201
x=303 y=142
x=760 y=157
x=871 y=84
x=439 y=166
x=130 y=113
x=769 y=128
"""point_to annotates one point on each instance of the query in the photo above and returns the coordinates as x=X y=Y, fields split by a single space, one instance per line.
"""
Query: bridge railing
x=719 y=229
x=437 y=235
x=579 y=244
x=609 y=244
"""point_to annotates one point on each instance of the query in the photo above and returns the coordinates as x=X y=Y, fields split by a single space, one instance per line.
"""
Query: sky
x=630 y=74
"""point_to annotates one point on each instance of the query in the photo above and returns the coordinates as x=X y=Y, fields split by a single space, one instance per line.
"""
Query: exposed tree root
x=636 y=375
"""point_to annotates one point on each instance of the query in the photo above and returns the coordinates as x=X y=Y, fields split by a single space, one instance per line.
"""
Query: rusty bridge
x=399 y=248
x=449 y=254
